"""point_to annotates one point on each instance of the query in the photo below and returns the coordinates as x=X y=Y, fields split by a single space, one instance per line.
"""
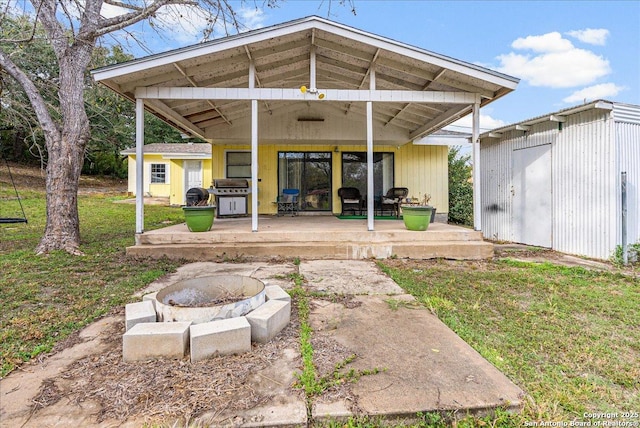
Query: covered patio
x=311 y=237
x=319 y=91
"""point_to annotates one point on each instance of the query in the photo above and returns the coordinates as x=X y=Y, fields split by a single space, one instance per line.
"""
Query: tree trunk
x=66 y=156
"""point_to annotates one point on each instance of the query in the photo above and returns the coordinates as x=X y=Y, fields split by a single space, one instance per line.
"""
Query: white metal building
x=555 y=181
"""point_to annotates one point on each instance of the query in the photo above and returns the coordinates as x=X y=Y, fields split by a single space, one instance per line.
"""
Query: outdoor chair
x=288 y=201
x=391 y=201
x=351 y=200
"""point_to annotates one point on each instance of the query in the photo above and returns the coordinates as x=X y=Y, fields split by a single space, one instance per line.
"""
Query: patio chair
x=288 y=201
x=391 y=200
x=351 y=200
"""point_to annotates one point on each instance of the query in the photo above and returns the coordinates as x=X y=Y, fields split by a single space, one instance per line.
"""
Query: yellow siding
x=422 y=169
x=177 y=195
x=174 y=189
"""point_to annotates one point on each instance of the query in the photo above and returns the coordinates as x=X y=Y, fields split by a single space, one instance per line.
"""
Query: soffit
x=344 y=58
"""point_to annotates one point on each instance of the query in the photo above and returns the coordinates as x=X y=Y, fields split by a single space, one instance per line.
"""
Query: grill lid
x=228 y=183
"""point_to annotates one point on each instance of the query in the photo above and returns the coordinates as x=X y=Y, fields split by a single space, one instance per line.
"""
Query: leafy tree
x=460 y=188
x=73 y=29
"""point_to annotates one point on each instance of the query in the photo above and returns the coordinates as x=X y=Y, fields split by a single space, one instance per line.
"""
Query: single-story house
x=310 y=104
x=170 y=169
x=555 y=181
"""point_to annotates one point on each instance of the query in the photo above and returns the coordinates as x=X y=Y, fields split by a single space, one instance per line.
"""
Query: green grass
x=569 y=337
x=46 y=298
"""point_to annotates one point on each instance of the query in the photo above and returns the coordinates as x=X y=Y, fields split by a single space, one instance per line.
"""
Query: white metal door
x=192 y=175
x=531 y=201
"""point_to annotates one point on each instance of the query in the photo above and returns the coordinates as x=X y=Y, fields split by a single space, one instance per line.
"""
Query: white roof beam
x=442 y=120
x=256 y=77
x=285 y=94
x=195 y=85
x=180 y=121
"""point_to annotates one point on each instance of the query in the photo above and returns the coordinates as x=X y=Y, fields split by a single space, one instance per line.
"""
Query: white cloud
x=186 y=24
x=604 y=90
x=555 y=63
x=111 y=11
x=465 y=124
x=592 y=36
x=253 y=18
x=550 y=42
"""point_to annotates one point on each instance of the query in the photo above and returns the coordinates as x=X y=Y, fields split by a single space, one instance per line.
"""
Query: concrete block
x=269 y=319
x=155 y=340
x=221 y=337
x=150 y=297
x=135 y=313
x=275 y=292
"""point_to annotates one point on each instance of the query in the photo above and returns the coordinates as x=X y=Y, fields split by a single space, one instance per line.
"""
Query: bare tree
x=73 y=27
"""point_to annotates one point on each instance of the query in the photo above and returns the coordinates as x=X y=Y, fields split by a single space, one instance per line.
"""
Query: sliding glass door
x=310 y=172
x=354 y=172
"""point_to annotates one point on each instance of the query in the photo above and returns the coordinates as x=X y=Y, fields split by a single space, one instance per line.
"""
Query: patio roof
x=206 y=89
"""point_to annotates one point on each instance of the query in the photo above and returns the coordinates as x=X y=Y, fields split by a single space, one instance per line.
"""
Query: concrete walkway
x=423 y=365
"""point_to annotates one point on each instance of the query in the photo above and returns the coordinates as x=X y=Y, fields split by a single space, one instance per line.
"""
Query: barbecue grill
x=231 y=196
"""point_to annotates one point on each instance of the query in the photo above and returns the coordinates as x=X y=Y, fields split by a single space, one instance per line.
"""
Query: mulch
x=170 y=390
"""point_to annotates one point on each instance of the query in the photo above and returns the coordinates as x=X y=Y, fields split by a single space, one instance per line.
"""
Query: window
x=159 y=173
x=238 y=164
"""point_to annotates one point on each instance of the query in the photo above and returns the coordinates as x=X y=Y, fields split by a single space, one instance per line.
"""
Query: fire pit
x=209 y=298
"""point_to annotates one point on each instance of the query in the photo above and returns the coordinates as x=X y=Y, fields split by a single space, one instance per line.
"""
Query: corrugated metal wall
x=584 y=219
x=587 y=157
x=496 y=176
x=628 y=159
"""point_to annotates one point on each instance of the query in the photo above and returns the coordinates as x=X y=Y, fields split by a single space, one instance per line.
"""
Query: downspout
x=139 y=166
x=475 y=140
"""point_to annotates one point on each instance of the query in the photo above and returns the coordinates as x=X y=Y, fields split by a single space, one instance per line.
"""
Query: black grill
x=197 y=196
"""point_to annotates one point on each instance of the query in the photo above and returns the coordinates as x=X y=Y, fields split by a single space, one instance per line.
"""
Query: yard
x=568 y=336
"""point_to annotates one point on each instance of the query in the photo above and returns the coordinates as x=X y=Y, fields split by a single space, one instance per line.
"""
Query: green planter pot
x=199 y=219
x=417 y=217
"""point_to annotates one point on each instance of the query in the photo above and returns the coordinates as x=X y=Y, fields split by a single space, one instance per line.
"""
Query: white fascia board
x=420 y=54
x=442 y=140
x=231 y=42
x=558 y=116
x=285 y=94
x=185 y=156
x=194 y=51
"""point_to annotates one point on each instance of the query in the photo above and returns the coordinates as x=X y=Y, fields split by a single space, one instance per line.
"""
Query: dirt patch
x=154 y=390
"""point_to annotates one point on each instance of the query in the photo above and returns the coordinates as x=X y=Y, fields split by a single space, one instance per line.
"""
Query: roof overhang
x=206 y=89
x=559 y=116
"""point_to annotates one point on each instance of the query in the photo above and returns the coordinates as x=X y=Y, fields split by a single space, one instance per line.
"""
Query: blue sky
x=564 y=52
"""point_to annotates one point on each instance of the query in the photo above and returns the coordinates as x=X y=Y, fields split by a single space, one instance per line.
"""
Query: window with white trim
x=159 y=173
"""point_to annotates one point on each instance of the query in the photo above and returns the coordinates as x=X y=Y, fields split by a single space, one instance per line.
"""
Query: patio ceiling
x=290 y=55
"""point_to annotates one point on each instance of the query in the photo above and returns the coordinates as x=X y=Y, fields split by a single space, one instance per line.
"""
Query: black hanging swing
x=6 y=220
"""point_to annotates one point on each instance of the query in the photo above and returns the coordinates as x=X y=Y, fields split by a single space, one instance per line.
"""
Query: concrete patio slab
x=424 y=365
x=347 y=277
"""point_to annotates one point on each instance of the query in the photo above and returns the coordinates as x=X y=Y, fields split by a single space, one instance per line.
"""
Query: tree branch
x=119 y=22
x=37 y=101
x=123 y=5
x=55 y=31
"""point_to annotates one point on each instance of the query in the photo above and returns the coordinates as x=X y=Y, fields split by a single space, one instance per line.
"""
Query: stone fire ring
x=157 y=328
x=188 y=300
